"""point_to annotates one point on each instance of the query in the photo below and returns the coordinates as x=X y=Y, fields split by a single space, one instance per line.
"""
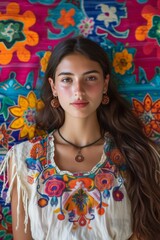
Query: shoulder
x=28 y=144
x=21 y=151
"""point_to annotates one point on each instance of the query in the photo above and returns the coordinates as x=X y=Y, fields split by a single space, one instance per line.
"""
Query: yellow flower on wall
x=122 y=61
x=24 y=114
x=15 y=34
x=44 y=61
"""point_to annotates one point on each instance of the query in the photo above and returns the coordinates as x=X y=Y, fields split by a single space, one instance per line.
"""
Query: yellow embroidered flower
x=66 y=18
x=122 y=61
x=25 y=115
x=15 y=34
x=44 y=61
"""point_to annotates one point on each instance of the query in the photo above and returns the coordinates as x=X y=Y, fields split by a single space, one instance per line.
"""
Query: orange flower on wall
x=150 y=31
x=25 y=115
x=149 y=113
x=66 y=18
x=15 y=34
x=142 y=31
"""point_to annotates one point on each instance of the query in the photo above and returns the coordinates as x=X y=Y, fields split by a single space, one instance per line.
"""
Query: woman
x=95 y=175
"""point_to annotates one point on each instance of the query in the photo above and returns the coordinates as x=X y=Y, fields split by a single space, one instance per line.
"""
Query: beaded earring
x=55 y=102
x=105 y=99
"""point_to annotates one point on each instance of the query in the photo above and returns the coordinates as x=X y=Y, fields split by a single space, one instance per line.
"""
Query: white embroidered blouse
x=71 y=206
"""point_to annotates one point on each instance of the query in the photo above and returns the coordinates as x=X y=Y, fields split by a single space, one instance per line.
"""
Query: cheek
x=96 y=90
x=63 y=94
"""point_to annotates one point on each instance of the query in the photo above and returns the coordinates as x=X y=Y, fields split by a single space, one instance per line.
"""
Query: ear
x=50 y=80
x=106 y=81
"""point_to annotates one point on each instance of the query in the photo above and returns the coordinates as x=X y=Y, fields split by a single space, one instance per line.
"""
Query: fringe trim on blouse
x=21 y=190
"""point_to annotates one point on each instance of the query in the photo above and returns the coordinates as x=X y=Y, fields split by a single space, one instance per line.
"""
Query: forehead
x=77 y=63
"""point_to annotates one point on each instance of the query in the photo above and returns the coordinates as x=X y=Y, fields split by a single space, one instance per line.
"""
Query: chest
x=65 y=157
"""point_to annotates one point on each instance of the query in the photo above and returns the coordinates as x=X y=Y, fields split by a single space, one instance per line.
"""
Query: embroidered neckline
x=51 y=154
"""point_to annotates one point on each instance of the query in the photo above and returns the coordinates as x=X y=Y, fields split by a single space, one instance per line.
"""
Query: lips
x=80 y=103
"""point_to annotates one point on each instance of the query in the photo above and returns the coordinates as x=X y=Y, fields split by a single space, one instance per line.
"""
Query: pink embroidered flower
x=54 y=187
x=104 y=181
x=86 y=26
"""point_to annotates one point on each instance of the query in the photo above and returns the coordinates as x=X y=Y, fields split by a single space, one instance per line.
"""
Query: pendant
x=79 y=157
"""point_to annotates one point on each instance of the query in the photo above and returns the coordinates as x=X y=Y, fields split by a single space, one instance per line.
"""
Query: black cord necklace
x=79 y=156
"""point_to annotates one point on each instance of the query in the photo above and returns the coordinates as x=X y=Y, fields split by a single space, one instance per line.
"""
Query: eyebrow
x=69 y=73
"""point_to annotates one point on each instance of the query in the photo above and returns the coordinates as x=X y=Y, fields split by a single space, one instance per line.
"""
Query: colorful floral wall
x=129 y=30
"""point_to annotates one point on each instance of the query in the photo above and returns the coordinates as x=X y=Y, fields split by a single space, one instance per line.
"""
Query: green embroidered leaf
x=5 y=210
x=9 y=219
x=8 y=101
x=2 y=233
x=3 y=223
x=8 y=237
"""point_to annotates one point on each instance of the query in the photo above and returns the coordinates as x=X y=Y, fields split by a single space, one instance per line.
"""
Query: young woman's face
x=79 y=85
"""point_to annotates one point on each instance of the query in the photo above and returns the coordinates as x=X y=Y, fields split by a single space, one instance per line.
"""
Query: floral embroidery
x=86 y=26
x=154 y=32
x=117 y=157
x=15 y=34
x=87 y=183
x=54 y=187
x=11 y=32
x=25 y=115
x=122 y=61
x=150 y=31
x=104 y=181
x=111 y=16
x=42 y=202
x=5 y=136
x=149 y=113
x=5 y=101
x=117 y=194
x=76 y=197
x=66 y=18
x=44 y=61
x=5 y=216
x=37 y=151
x=108 y=14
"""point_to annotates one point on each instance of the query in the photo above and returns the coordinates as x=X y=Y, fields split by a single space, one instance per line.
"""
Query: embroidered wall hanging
x=29 y=29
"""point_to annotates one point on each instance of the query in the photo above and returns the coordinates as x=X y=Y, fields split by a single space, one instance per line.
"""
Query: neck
x=81 y=131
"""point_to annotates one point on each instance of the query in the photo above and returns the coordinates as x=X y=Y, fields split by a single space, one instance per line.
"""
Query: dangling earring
x=105 y=99
x=55 y=102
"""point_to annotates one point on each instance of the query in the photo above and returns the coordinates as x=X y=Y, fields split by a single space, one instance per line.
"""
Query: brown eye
x=66 y=80
x=91 y=78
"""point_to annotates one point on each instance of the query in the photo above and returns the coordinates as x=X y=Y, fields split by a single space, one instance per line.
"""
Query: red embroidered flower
x=117 y=195
x=54 y=187
x=104 y=181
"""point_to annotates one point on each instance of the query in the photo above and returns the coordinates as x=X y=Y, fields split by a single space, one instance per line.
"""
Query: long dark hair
x=142 y=160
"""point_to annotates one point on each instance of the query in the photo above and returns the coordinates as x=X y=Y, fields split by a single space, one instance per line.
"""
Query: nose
x=79 y=89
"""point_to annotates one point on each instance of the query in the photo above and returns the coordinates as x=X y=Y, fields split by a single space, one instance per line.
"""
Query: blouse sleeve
x=10 y=161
